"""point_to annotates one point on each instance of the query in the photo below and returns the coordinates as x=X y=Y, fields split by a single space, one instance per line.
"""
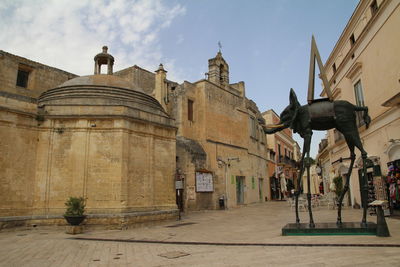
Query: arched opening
x=394 y=152
x=221 y=73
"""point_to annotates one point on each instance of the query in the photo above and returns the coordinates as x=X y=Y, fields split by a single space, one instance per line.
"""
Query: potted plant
x=75 y=210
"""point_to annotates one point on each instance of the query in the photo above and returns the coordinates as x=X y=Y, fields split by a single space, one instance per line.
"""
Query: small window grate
x=22 y=78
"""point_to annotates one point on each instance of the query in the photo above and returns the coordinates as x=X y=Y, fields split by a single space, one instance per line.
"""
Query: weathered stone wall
x=226 y=117
x=221 y=126
x=150 y=166
x=118 y=166
x=18 y=143
x=192 y=157
x=139 y=77
x=41 y=77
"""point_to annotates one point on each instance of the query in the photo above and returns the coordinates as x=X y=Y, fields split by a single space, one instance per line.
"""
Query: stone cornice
x=18 y=97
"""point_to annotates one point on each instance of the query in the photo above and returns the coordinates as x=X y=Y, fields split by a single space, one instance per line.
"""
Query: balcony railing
x=287 y=161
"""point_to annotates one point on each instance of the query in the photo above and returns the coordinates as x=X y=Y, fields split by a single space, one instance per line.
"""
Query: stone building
x=221 y=148
x=364 y=69
x=132 y=143
x=283 y=157
x=98 y=136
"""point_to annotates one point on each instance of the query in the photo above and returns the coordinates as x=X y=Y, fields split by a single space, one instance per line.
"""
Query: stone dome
x=99 y=80
x=92 y=92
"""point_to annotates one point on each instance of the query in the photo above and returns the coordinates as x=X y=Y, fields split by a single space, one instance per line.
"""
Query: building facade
x=283 y=158
x=364 y=69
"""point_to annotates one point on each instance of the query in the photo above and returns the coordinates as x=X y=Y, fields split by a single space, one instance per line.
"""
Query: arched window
x=221 y=71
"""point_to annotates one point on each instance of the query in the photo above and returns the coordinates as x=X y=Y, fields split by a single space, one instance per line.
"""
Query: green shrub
x=338 y=181
x=75 y=206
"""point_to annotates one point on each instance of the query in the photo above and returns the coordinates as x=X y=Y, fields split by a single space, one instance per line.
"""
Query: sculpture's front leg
x=306 y=150
x=308 y=164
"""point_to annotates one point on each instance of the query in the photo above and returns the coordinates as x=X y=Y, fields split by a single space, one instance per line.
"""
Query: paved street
x=246 y=236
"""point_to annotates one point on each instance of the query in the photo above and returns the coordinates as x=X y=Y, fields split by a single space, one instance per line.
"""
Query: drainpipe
x=226 y=186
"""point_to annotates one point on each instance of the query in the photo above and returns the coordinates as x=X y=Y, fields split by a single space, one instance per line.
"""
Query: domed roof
x=100 y=80
x=100 y=90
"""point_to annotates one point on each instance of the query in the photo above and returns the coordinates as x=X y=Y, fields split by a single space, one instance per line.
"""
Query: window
x=358 y=91
x=279 y=150
x=359 y=94
x=272 y=155
x=253 y=128
x=262 y=136
x=190 y=110
x=352 y=40
x=374 y=7
x=22 y=78
x=334 y=68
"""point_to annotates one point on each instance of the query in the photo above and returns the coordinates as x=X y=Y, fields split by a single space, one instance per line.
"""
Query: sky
x=265 y=42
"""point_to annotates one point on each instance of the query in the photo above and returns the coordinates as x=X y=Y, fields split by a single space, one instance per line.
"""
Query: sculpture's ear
x=293 y=99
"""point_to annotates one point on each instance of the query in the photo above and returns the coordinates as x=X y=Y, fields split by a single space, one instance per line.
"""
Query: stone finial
x=161 y=68
x=105 y=49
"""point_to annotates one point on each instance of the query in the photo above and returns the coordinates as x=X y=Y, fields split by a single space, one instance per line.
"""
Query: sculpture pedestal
x=346 y=228
x=381 y=228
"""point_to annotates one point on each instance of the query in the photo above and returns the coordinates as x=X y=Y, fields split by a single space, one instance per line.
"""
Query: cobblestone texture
x=258 y=223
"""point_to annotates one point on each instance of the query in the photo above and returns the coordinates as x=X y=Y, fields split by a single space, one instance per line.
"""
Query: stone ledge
x=99 y=215
x=109 y=221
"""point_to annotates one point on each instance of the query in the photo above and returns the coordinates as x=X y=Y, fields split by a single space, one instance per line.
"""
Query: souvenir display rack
x=393 y=184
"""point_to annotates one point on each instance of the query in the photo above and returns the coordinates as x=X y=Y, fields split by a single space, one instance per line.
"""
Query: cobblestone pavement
x=255 y=229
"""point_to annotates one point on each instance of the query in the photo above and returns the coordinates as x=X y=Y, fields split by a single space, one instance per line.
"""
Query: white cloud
x=68 y=34
x=180 y=39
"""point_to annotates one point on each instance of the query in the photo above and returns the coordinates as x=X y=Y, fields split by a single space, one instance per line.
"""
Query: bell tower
x=218 y=70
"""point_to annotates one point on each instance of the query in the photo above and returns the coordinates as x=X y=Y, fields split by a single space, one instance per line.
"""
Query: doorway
x=260 y=189
x=240 y=190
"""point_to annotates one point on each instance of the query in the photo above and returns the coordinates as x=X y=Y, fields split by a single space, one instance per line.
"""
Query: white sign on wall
x=204 y=182
x=178 y=184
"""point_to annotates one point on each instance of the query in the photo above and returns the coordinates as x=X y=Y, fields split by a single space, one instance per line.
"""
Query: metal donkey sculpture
x=324 y=114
